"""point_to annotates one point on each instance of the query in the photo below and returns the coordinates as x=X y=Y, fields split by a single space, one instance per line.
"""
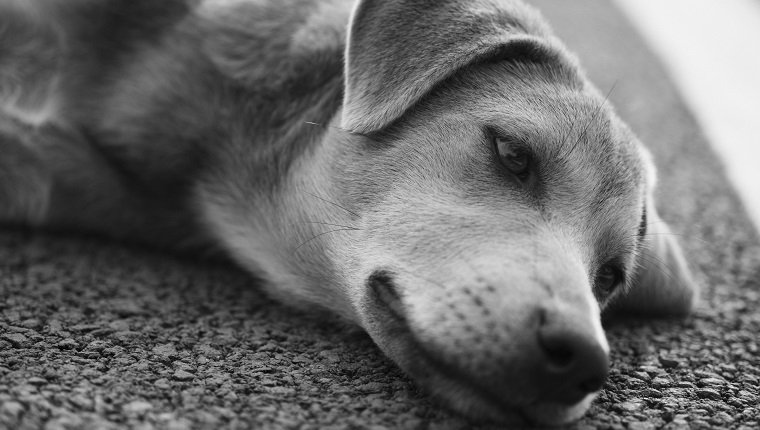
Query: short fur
x=368 y=186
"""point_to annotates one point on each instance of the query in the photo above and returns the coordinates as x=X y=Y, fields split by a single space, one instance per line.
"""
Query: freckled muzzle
x=476 y=357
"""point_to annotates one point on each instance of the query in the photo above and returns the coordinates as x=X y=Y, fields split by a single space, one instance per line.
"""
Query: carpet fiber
x=98 y=335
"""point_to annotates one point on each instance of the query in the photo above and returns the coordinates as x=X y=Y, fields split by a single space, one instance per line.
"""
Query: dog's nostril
x=558 y=351
x=573 y=363
x=591 y=385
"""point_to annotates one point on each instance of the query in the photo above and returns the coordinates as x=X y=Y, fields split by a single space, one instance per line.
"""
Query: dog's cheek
x=663 y=284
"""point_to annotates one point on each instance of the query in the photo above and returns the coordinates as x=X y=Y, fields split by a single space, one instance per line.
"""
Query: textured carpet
x=98 y=335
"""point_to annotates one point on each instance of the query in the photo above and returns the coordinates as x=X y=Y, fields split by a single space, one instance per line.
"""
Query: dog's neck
x=297 y=240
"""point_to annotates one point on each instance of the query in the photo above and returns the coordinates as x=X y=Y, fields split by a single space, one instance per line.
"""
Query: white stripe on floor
x=712 y=49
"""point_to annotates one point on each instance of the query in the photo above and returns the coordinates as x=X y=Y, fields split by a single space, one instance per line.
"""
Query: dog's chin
x=553 y=414
x=540 y=414
x=447 y=384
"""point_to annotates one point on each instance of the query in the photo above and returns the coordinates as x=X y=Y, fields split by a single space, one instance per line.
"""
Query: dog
x=440 y=172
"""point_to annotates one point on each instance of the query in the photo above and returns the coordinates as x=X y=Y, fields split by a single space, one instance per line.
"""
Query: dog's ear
x=662 y=284
x=398 y=50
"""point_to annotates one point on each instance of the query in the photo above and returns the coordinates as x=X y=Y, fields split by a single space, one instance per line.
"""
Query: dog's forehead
x=579 y=134
x=551 y=108
x=589 y=161
x=590 y=165
x=565 y=120
x=569 y=126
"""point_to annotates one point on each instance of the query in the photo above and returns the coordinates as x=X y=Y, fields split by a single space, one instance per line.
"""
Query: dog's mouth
x=446 y=382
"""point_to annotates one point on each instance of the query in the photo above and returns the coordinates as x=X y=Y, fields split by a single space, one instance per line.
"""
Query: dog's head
x=496 y=204
x=501 y=204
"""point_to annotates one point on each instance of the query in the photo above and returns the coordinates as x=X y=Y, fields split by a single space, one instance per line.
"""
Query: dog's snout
x=573 y=363
x=554 y=350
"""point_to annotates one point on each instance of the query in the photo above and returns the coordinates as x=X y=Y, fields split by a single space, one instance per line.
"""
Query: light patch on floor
x=712 y=49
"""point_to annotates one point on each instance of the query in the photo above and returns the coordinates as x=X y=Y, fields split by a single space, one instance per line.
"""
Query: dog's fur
x=369 y=186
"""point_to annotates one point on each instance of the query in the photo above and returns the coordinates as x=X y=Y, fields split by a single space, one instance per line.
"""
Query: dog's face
x=504 y=210
x=499 y=206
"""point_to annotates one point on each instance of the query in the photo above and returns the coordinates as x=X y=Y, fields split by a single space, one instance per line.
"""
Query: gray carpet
x=98 y=335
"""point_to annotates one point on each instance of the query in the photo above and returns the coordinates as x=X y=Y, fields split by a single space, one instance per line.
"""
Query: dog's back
x=133 y=99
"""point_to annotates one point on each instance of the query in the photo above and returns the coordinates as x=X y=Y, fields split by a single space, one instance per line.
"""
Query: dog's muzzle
x=559 y=364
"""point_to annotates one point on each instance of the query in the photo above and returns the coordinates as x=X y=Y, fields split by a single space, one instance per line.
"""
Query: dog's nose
x=573 y=362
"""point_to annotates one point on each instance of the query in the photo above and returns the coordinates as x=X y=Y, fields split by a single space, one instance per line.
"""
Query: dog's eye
x=514 y=157
x=608 y=278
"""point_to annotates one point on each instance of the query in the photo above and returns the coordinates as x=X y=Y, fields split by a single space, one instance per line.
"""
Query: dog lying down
x=440 y=172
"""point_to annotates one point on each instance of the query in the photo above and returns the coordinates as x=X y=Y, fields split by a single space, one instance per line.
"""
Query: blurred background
x=712 y=51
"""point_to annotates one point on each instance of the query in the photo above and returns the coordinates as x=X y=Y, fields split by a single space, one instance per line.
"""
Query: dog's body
x=455 y=186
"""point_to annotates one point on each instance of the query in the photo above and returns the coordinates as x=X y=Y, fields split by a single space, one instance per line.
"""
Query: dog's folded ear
x=663 y=284
x=399 y=50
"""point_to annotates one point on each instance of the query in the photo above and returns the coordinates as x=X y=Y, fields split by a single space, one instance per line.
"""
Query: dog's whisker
x=661 y=266
x=654 y=262
x=472 y=268
x=569 y=131
x=583 y=133
x=332 y=225
x=689 y=237
x=654 y=223
x=333 y=203
x=334 y=128
x=415 y=275
x=322 y=234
